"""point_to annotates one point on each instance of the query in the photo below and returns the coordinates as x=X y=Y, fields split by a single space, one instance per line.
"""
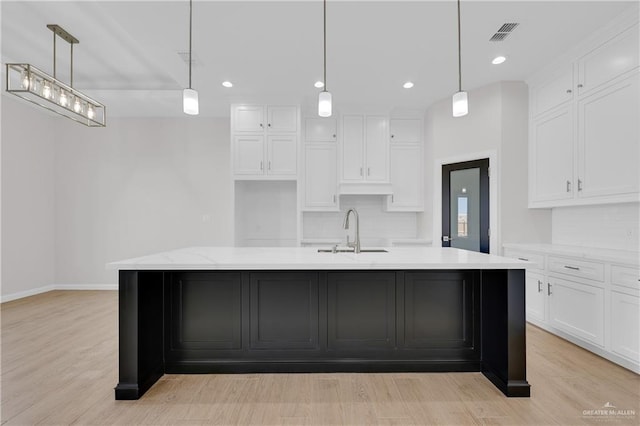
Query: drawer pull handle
x=539 y=286
x=522 y=258
x=573 y=268
x=549 y=293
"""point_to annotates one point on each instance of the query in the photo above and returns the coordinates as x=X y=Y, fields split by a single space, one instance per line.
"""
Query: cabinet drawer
x=625 y=276
x=577 y=268
x=538 y=259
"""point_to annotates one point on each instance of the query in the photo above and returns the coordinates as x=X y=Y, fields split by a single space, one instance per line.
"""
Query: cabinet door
x=406 y=178
x=377 y=149
x=577 y=309
x=554 y=91
x=320 y=177
x=248 y=118
x=248 y=155
x=608 y=135
x=352 y=148
x=405 y=130
x=536 y=289
x=282 y=119
x=551 y=153
x=282 y=155
x=614 y=58
x=625 y=325
x=320 y=130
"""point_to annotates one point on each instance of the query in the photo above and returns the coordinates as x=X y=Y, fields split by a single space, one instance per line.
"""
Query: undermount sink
x=352 y=251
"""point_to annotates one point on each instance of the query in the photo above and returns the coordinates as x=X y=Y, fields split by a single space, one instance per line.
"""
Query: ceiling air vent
x=504 y=31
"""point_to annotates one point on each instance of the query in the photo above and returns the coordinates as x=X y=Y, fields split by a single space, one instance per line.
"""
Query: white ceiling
x=272 y=51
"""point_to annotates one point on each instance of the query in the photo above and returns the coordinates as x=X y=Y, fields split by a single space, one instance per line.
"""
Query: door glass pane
x=465 y=209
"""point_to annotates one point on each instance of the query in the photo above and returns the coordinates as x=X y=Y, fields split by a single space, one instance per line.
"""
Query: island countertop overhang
x=306 y=258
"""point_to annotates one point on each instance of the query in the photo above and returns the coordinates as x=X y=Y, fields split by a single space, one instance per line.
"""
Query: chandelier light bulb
x=77 y=106
x=90 y=112
x=63 y=100
x=25 y=80
x=46 y=89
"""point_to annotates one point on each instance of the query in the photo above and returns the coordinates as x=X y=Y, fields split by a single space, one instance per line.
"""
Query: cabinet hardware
x=580 y=86
x=549 y=292
x=392 y=203
x=334 y=136
x=568 y=186
x=261 y=166
x=368 y=171
x=569 y=91
x=269 y=125
x=579 y=185
x=261 y=125
x=522 y=258
x=334 y=198
x=539 y=286
x=269 y=165
x=573 y=268
x=360 y=171
x=392 y=136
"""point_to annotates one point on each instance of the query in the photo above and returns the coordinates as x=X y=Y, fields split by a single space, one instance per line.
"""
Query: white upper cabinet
x=551 y=150
x=365 y=148
x=264 y=142
x=405 y=130
x=248 y=118
x=281 y=119
x=553 y=91
x=320 y=130
x=616 y=57
x=320 y=177
x=584 y=126
x=407 y=180
x=609 y=138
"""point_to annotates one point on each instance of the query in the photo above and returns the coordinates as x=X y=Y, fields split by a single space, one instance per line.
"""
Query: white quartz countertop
x=605 y=255
x=308 y=258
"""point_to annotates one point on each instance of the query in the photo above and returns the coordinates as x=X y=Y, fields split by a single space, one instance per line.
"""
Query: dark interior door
x=465 y=205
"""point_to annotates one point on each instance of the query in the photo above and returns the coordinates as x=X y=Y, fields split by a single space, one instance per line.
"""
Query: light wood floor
x=59 y=366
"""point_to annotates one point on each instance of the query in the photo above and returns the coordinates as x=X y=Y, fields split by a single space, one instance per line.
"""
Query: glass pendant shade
x=324 y=104
x=190 y=102
x=460 y=104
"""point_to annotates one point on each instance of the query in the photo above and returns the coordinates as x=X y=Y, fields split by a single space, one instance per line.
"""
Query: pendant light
x=460 y=99
x=324 y=98
x=190 y=96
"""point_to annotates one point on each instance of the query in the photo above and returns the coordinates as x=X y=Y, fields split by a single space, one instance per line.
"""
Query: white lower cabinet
x=592 y=302
x=536 y=297
x=577 y=309
x=625 y=324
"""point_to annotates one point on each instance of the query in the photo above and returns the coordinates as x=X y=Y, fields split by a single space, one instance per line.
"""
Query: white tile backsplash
x=612 y=226
x=377 y=226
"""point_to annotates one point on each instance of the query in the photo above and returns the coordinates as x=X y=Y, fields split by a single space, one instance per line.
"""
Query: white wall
x=138 y=186
x=495 y=126
x=613 y=226
x=28 y=205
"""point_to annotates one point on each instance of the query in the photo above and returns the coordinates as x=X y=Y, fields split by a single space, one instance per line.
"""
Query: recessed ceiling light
x=227 y=84
x=498 y=60
x=408 y=85
x=319 y=84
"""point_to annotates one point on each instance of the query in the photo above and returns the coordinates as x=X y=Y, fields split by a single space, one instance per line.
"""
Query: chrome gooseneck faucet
x=356 y=243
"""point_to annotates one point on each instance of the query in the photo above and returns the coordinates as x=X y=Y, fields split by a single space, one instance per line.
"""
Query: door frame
x=484 y=203
x=494 y=214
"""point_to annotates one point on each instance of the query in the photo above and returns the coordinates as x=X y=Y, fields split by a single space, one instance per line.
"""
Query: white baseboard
x=44 y=289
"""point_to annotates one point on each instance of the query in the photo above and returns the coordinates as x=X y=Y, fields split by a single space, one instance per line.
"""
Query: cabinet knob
x=392 y=136
x=580 y=86
x=261 y=125
x=269 y=124
x=569 y=91
x=334 y=136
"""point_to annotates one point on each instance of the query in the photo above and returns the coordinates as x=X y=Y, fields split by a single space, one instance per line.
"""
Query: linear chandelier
x=38 y=87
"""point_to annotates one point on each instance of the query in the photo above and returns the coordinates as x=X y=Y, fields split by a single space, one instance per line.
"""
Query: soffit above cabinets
x=272 y=51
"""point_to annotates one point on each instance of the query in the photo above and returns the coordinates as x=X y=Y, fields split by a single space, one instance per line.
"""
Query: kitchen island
x=247 y=310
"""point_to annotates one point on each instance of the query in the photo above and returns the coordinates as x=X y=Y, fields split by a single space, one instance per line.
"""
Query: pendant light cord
x=190 y=30
x=459 y=53
x=324 y=32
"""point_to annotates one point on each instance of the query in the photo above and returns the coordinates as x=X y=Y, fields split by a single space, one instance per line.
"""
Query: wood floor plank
x=59 y=366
